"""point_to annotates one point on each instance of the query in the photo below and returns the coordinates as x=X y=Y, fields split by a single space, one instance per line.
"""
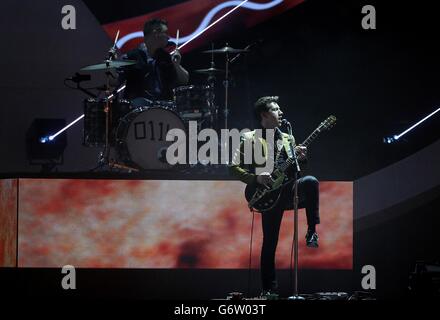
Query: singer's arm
x=238 y=169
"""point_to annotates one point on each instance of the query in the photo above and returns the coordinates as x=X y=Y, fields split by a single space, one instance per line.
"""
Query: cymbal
x=109 y=64
x=210 y=71
x=226 y=50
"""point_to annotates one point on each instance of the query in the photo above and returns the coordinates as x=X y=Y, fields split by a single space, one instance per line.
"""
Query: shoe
x=312 y=239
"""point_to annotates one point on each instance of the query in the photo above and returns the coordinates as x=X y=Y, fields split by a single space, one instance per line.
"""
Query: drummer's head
x=156 y=33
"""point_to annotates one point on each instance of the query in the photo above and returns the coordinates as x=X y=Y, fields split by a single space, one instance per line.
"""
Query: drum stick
x=116 y=40
x=177 y=38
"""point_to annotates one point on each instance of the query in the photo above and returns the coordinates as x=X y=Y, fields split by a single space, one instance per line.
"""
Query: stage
x=132 y=133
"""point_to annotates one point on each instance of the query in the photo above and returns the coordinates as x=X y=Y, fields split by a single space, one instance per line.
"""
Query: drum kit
x=135 y=131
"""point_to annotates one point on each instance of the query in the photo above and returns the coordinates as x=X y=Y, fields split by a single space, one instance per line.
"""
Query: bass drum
x=141 y=136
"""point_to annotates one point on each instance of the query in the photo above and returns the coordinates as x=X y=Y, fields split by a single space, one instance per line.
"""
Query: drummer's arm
x=116 y=78
x=182 y=74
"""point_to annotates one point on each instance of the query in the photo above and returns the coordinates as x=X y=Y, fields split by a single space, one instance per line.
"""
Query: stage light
x=44 y=139
x=41 y=148
x=47 y=139
x=51 y=137
x=388 y=140
x=396 y=137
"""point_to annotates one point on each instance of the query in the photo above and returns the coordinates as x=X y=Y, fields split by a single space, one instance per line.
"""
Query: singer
x=270 y=116
x=156 y=72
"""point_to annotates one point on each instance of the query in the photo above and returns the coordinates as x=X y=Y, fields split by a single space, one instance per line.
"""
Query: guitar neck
x=325 y=125
x=306 y=143
x=311 y=137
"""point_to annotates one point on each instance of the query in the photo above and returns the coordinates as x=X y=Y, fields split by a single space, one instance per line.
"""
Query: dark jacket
x=151 y=77
x=246 y=172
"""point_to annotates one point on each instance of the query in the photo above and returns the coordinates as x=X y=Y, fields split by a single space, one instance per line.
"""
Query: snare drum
x=141 y=136
x=95 y=119
x=144 y=102
x=194 y=102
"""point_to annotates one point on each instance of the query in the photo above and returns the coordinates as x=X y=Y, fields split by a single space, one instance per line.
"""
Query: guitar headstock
x=328 y=123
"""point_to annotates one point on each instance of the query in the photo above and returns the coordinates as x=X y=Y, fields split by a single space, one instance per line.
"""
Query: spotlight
x=44 y=139
x=397 y=137
x=389 y=140
x=41 y=148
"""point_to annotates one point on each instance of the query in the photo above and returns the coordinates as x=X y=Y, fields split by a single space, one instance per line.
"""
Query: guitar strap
x=287 y=142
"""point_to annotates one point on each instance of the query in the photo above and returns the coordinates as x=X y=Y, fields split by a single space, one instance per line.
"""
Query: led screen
x=8 y=222
x=167 y=224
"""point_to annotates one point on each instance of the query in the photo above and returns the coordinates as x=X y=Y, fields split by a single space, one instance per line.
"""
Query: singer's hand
x=176 y=56
x=301 y=152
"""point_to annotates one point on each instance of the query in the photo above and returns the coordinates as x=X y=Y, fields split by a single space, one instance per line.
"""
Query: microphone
x=77 y=78
x=286 y=123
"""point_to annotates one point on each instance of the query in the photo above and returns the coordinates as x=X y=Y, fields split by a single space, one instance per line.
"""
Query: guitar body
x=263 y=199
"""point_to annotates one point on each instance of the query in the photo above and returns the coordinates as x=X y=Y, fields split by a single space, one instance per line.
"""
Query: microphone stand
x=226 y=84
x=104 y=158
x=295 y=295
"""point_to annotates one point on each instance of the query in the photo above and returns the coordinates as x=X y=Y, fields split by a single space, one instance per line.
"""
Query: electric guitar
x=263 y=198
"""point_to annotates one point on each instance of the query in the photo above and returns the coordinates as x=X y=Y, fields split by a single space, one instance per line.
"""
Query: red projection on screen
x=190 y=17
x=8 y=222
x=167 y=224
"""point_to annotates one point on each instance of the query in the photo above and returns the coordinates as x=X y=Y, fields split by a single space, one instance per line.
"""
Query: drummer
x=156 y=72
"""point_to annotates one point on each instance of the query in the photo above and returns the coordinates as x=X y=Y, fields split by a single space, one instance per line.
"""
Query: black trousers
x=308 y=194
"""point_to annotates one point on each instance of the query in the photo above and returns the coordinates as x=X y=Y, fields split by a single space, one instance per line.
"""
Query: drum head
x=95 y=119
x=142 y=135
x=94 y=123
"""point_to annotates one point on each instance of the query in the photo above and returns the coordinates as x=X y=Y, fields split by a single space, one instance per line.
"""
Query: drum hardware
x=210 y=71
x=194 y=102
x=136 y=130
x=108 y=65
x=212 y=114
x=117 y=165
x=95 y=120
x=212 y=75
x=77 y=79
x=226 y=51
x=145 y=102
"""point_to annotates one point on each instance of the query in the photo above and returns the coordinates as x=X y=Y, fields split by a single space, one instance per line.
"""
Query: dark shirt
x=280 y=154
x=151 y=77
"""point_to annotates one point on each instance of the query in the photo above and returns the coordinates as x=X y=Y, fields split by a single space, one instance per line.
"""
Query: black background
x=320 y=61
